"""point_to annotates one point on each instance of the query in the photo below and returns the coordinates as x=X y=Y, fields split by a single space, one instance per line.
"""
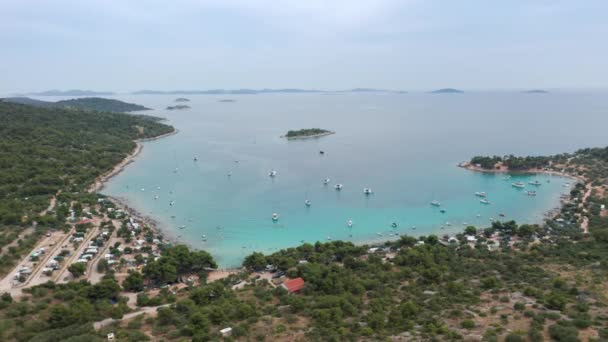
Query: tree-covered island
x=307 y=133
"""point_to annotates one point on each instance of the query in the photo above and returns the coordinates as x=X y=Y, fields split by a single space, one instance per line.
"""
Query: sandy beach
x=101 y=180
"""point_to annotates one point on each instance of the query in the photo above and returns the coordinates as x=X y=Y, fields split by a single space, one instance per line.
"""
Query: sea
x=405 y=147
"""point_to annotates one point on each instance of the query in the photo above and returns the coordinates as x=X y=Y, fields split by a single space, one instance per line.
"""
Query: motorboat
x=480 y=194
x=442 y=211
x=308 y=203
x=531 y=193
x=326 y=181
x=394 y=224
x=272 y=173
x=536 y=182
x=484 y=201
x=435 y=203
x=519 y=185
x=338 y=186
x=275 y=217
x=368 y=191
x=349 y=223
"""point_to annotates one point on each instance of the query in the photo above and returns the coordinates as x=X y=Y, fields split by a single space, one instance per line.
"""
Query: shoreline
x=167 y=234
x=100 y=181
x=470 y=167
x=552 y=213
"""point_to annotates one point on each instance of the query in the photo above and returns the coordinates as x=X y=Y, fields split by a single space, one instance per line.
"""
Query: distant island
x=86 y=103
x=73 y=92
x=178 y=107
x=227 y=100
x=261 y=91
x=182 y=99
x=447 y=91
x=307 y=133
x=535 y=91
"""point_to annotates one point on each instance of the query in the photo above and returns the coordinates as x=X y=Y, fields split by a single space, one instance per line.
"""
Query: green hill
x=86 y=103
x=43 y=150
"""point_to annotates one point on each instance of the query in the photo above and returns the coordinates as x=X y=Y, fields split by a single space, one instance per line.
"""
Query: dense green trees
x=134 y=282
x=46 y=150
x=177 y=261
x=77 y=269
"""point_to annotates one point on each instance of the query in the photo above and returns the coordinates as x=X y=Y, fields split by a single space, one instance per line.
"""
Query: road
x=92 y=274
x=50 y=244
x=61 y=276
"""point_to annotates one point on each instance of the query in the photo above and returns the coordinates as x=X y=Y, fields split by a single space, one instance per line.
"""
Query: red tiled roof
x=84 y=221
x=294 y=285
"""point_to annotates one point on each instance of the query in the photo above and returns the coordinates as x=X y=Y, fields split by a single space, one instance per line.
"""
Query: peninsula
x=307 y=133
x=98 y=104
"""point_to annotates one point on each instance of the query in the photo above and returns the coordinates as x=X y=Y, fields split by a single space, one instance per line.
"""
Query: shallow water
x=404 y=147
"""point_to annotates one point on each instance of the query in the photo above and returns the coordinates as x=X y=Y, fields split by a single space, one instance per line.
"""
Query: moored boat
x=519 y=185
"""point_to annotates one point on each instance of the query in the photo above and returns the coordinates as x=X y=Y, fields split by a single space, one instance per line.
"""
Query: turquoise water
x=404 y=147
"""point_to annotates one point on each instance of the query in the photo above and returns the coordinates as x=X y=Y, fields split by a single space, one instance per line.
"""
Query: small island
x=178 y=107
x=307 y=133
x=182 y=99
x=535 y=91
x=447 y=91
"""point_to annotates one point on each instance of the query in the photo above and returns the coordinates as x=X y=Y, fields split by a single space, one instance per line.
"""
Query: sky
x=125 y=45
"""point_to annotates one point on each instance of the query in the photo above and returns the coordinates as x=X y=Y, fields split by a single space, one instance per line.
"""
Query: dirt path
x=585 y=223
x=61 y=277
x=51 y=244
x=92 y=274
x=146 y=310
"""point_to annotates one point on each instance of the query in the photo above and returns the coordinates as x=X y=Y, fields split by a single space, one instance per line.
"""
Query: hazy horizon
x=412 y=45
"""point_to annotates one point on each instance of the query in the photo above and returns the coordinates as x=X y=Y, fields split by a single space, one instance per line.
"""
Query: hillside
x=86 y=103
x=43 y=150
x=73 y=92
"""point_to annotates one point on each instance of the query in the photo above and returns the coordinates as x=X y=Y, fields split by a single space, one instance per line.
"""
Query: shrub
x=467 y=324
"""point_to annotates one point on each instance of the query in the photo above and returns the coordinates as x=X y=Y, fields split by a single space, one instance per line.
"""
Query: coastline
x=308 y=136
x=100 y=181
x=552 y=213
x=470 y=167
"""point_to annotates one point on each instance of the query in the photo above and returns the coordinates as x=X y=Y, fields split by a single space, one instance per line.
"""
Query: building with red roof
x=293 y=285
